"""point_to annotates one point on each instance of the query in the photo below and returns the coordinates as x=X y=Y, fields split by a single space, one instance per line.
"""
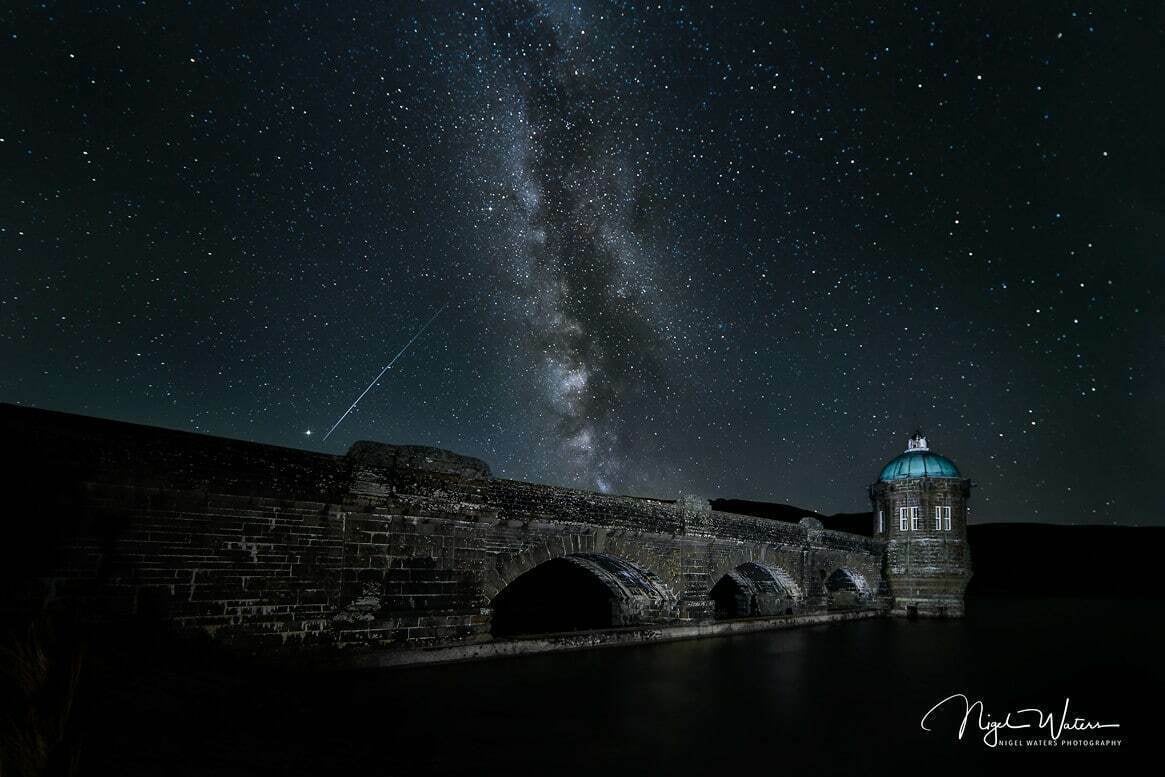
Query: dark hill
x=1049 y=559
x=855 y=523
x=775 y=510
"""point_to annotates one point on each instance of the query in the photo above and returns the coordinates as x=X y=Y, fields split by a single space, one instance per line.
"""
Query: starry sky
x=735 y=250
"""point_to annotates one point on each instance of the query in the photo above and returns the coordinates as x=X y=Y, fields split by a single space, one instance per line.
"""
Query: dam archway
x=755 y=590
x=848 y=589
x=579 y=592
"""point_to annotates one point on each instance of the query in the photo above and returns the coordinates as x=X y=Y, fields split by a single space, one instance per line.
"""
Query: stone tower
x=920 y=509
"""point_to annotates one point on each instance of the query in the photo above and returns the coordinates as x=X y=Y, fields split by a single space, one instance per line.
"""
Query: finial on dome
x=917 y=442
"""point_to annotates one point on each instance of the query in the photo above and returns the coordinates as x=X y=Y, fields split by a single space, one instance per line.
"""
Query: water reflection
x=836 y=698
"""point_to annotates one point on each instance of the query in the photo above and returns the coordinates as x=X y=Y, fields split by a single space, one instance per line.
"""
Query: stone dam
x=390 y=554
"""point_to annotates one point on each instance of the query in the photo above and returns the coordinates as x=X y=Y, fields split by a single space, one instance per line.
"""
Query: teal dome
x=919 y=463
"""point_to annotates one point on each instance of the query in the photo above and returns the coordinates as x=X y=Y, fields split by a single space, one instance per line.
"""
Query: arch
x=753 y=589
x=509 y=567
x=847 y=588
x=580 y=592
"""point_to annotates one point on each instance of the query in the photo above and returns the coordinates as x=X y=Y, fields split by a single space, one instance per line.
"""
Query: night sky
x=730 y=251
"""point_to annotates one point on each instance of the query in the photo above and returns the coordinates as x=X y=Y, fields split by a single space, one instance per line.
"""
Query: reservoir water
x=835 y=699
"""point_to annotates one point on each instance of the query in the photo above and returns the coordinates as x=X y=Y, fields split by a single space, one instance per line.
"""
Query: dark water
x=842 y=698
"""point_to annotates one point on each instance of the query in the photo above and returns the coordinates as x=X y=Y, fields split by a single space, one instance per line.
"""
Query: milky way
x=583 y=273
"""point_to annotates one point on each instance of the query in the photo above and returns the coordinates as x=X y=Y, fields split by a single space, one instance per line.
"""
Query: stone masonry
x=387 y=548
x=928 y=565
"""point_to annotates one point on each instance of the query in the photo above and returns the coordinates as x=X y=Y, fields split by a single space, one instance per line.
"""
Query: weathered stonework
x=388 y=548
x=928 y=566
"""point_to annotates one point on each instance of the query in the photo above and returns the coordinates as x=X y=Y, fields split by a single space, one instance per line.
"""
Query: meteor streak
x=381 y=375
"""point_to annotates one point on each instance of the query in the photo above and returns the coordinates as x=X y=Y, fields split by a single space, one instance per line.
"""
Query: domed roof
x=918 y=461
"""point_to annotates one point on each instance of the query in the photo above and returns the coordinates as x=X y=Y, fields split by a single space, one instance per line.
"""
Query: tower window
x=915 y=517
x=942 y=517
x=902 y=524
x=881 y=522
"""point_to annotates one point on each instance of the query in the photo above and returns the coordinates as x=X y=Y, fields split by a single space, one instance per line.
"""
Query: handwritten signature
x=1029 y=717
